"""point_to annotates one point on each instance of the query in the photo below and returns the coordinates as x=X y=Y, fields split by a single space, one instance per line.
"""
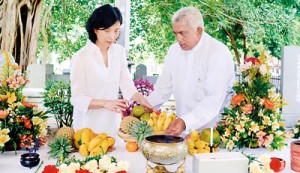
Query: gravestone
x=141 y=71
x=290 y=84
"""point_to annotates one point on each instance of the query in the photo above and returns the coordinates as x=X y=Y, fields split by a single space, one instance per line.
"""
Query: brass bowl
x=164 y=149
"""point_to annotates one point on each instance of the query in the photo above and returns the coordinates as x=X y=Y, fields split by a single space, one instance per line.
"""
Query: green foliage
x=57 y=100
x=59 y=149
x=244 y=26
x=66 y=26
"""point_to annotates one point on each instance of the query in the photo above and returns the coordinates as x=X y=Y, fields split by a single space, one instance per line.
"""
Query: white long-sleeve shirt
x=199 y=80
x=91 y=79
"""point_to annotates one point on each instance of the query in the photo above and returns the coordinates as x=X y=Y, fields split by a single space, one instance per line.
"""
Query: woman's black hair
x=102 y=18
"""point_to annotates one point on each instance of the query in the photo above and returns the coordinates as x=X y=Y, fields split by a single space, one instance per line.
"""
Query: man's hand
x=176 y=127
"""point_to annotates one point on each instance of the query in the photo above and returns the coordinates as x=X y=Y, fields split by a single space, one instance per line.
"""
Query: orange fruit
x=132 y=146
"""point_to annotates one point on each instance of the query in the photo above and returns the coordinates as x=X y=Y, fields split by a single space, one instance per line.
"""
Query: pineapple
x=66 y=132
x=127 y=124
x=140 y=130
x=60 y=148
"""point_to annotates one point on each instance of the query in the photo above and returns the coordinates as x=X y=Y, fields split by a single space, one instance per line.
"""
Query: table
x=10 y=163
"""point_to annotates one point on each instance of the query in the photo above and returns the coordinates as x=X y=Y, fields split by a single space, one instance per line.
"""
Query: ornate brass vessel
x=164 y=150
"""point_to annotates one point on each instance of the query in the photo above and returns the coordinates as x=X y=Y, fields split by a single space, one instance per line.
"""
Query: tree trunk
x=20 y=29
x=231 y=37
x=245 y=45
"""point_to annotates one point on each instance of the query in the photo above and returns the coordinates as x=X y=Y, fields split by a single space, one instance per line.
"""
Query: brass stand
x=162 y=169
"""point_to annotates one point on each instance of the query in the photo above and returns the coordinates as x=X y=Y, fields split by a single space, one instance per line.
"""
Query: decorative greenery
x=21 y=123
x=60 y=149
x=57 y=99
x=254 y=117
x=97 y=163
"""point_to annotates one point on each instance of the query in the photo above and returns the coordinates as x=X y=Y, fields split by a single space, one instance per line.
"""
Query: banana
x=173 y=116
x=168 y=121
x=161 y=120
x=110 y=141
x=150 y=122
x=85 y=138
x=153 y=116
x=96 y=151
x=96 y=141
x=83 y=150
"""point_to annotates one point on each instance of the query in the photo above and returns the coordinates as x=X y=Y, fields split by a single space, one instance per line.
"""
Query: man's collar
x=198 y=45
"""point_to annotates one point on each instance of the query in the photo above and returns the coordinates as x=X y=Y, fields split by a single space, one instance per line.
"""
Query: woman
x=98 y=70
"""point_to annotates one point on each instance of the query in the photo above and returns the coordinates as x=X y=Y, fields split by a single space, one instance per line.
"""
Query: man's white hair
x=191 y=15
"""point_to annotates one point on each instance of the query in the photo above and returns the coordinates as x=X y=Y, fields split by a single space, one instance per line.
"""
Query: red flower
x=50 y=169
x=42 y=141
x=82 y=171
x=122 y=171
x=28 y=105
x=27 y=123
x=253 y=60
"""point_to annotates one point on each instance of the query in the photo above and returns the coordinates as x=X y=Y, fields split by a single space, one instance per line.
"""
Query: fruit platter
x=138 y=125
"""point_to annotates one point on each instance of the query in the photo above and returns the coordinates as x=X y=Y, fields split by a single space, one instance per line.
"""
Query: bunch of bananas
x=160 y=122
x=196 y=145
x=91 y=144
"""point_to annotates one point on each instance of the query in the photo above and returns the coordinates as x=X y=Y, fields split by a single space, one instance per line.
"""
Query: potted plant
x=57 y=100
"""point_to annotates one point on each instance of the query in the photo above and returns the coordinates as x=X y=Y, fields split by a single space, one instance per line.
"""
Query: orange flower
x=28 y=105
x=3 y=114
x=27 y=123
x=268 y=103
x=237 y=99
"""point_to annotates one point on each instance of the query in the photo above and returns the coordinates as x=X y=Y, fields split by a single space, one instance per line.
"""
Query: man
x=198 y=71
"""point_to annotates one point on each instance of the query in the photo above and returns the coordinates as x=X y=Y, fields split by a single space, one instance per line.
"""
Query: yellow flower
x=230 y=145
x=4 y=131
x=254 y=127
x=36 y=120
x=3 y=139
x=3 y=97
x=267 y=120
x=11 y=98
x=275 y=126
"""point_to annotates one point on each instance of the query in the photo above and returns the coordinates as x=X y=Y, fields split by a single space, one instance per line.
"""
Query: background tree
x=65 y=27
x=19 y=29
x=245 y=26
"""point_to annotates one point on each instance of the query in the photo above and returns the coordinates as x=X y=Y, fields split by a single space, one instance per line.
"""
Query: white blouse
x=199 y=80
x=91 y=79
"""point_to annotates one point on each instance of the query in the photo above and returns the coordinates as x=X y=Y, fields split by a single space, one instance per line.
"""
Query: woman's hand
x=116 y=105
x=143 y=102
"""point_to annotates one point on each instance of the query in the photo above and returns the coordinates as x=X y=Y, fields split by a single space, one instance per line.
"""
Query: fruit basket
x=126 y=137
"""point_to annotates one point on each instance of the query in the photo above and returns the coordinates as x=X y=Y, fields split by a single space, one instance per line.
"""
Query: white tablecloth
x=10 y=163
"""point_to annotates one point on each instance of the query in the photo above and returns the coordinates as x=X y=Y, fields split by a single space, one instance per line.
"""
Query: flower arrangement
x=21 y=123
x=145 y=88
x=96 y=164
x=253 y=118
x=295 y=132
